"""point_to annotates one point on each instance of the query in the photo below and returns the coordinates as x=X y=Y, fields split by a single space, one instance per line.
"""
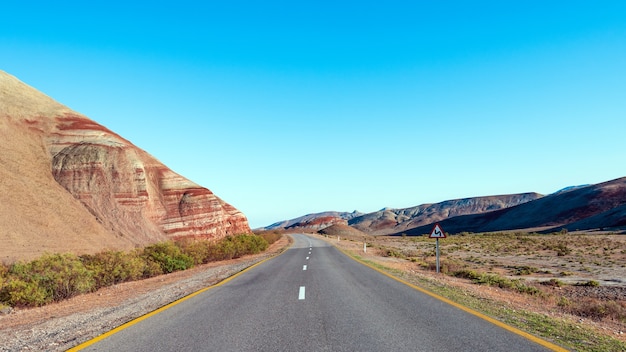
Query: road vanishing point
x=313 y=297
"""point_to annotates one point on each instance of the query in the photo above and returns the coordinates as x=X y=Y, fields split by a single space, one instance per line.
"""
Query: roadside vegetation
x=556 y=285
x=55 y=277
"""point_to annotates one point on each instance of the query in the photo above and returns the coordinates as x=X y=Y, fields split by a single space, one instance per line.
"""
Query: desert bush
x=466 y=274
x=389 y=252
x=60 y=276
x=236 y=246
x=563 y=302
x=597 y=309
x=198 y=251
x=494 y=280
x=169 y=257
x=249 y=244
x=151 y=268
x=525 y=270
x=3 y=271
x=19 y=293
x=521 y=287
x=590 y=283
x=49 y=278
x=3 y=274
x=222 y=250
x=228 y=248
x=271 y=237
x=240 y=245
x=553 y=283
x=112 y=267
x=560 y=247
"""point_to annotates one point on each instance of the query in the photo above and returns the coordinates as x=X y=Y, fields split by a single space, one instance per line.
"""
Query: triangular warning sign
x=437 y=232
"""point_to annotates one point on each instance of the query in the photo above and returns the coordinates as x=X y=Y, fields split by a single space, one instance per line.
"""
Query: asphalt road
x=313 y=298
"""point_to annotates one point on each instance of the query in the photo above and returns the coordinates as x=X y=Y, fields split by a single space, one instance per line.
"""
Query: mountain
x=600 y=206
x=68 y=183
x=587 y=207
x=388 y=221
x=570 y=188
x=313 y=221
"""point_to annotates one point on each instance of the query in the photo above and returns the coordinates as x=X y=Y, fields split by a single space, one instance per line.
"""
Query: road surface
x=313 y=298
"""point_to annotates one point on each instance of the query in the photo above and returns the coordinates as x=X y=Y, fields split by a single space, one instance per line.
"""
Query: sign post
x=437 y=233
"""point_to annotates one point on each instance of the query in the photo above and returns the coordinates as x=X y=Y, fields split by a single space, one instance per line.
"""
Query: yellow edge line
x=531 y=337
x=159 y=310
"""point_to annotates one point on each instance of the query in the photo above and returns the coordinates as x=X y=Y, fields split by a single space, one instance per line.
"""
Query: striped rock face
x=127 y=191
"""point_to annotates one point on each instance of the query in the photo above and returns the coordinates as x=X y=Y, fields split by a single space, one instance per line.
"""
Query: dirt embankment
x=59 y=326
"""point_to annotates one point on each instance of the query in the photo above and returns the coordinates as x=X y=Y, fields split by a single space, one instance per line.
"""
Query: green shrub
x=19 y=293
x=553 y=282
x=236 y=246
x=3 y=275
x=60 y=276
x=525 y=270
x=222 y=250
x=49 y=278
x=197 y=250
x=3 y=271
x=494 y=280
x=151 y=268
x=110 y=268
x=466 y=274
x=169 y=257
x=251 y=244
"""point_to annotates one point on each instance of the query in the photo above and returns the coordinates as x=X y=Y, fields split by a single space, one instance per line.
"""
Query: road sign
x=437 y=232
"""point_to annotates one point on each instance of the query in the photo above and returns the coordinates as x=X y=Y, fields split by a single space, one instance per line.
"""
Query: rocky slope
x=588 y=207
x=600 y=206
x=68 y=183
x=388 y=221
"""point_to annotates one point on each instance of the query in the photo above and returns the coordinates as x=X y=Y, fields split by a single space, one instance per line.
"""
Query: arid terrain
x=532 y=258
x=579 y=278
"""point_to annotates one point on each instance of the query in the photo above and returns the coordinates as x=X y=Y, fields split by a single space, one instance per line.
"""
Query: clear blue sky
x=284 y=108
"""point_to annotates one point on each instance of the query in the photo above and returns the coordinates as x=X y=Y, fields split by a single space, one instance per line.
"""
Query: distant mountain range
x=317 y=220
x=588 y=207
x=389 y=221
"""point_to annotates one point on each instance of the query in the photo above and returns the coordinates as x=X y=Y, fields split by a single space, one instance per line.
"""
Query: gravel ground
x=63 y=325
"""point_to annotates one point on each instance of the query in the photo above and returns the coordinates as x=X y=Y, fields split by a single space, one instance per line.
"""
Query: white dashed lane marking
x=301 y=293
